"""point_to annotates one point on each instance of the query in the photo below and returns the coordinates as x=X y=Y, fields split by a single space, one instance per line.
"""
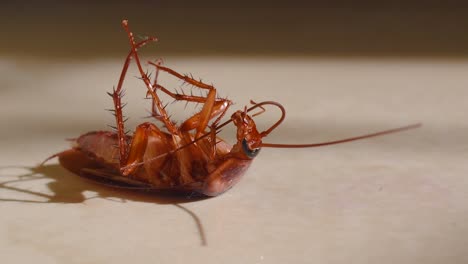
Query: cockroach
x=186 y=158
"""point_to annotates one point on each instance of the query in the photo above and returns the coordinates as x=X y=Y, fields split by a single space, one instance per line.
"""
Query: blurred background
x=86 y=29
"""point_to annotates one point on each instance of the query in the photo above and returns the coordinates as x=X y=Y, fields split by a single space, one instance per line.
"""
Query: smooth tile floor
x=400 y=198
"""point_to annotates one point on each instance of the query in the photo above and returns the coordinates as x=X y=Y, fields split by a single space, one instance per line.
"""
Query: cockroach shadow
x=68 y=188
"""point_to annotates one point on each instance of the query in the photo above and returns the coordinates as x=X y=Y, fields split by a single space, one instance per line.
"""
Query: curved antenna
x=275 y=125
x=272 y=145
x=257 y=105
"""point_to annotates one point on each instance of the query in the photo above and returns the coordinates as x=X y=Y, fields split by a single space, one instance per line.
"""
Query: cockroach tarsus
x=187 y=158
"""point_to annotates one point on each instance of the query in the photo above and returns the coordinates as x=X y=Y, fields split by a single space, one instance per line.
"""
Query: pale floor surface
x=401 y=198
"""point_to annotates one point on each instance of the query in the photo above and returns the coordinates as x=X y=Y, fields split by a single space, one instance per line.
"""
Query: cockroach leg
x=122 y=141
x=147 y=137
x=186 y=78
x=163 y=116
x=156 y=74
x=117 y=98
x=212 y=106
x=129 y=58
x=154 y=112
x=205 y=113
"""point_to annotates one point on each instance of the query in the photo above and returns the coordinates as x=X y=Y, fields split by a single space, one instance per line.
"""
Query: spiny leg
x=219 y=105
x=117 y=98
x=154 y=111
x=129 y=58
x=161 y=109
x=176 y=96
x=199 y=120
x=164 y=117
x=186 y=78
x=212 y=106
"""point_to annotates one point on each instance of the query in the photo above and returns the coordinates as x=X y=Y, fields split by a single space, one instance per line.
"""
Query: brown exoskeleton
x=188 y=158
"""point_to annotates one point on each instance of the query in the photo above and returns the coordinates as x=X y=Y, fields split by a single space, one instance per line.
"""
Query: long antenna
x=272 y=145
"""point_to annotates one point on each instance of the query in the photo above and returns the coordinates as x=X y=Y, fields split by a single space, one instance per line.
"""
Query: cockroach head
x=247 y=133
x=246 y=129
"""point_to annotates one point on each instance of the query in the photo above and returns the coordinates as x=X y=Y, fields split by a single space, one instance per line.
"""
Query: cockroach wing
x=101 y=145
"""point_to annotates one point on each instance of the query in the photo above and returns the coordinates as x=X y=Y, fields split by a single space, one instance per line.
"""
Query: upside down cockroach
x=188 y=158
